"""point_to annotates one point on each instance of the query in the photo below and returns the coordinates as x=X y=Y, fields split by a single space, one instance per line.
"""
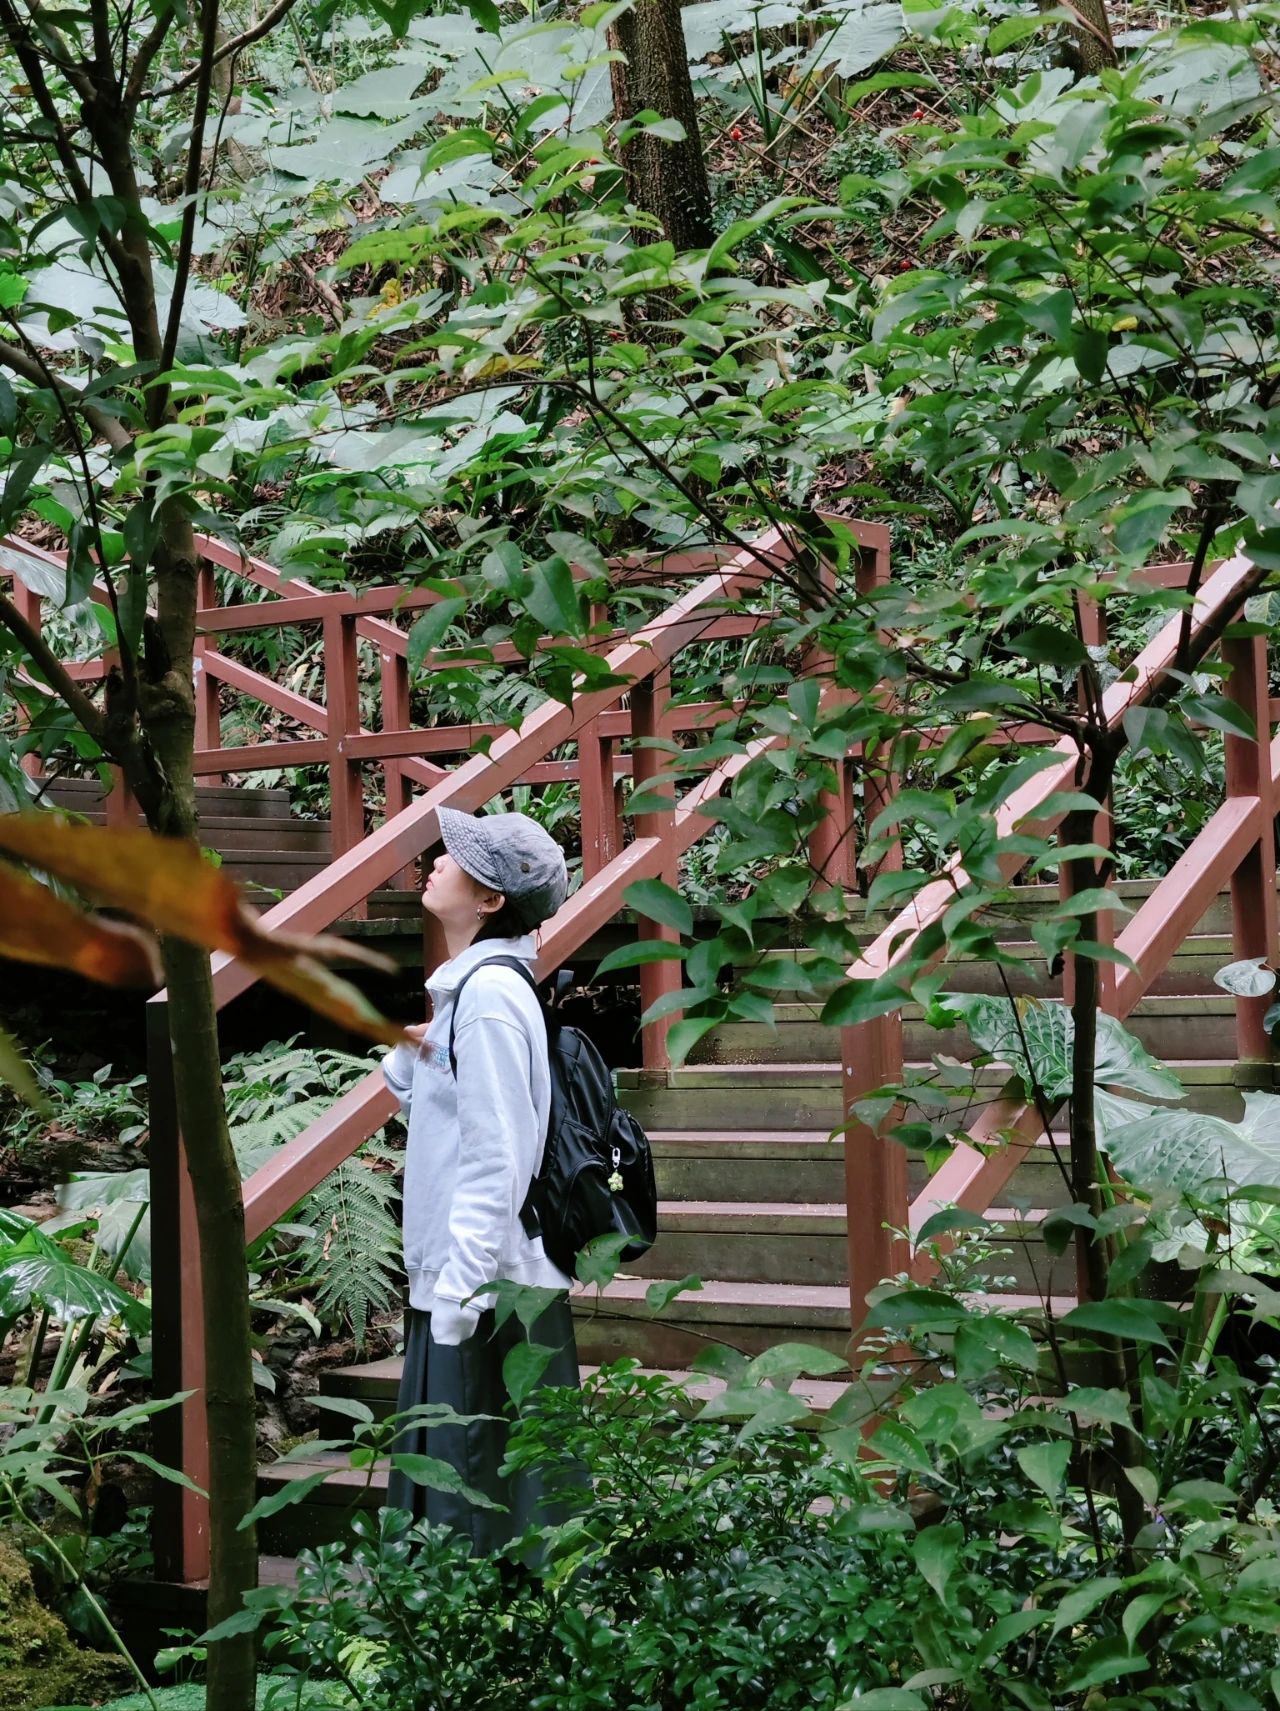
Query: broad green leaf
x=524 y=1365
x=1195 y=1153
x=936 y=1552
x=439 y=1475
x=788 y=1361
x=36 y=1271
x=685 y=1035
x=661 y=903
x=1045 y=1465
x=1131 y=1321
x=659 y=1296
x=1075 y=1606
x=1036 y=1036
x=431 y=628
x=1094 y=1407
x=642 y=952
x=1249 y=978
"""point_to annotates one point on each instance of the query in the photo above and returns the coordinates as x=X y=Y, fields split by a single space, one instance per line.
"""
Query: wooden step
x=86 y=796
x=787 y=1242
x=1169 y=1026
x=800 y=1165
x=806 y=1096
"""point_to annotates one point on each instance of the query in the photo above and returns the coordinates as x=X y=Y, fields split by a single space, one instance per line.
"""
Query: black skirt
x=468 y=1378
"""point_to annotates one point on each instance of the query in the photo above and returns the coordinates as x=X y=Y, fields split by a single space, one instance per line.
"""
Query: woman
x=475 y=1145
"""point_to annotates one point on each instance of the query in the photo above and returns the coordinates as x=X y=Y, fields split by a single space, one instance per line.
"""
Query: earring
x=479 y=914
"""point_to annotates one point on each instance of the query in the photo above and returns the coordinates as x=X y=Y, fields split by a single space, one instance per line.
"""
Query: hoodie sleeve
x=499 y=1138
x=397 y=1072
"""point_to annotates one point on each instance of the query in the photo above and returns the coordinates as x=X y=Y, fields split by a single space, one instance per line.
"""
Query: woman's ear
x=491 y=902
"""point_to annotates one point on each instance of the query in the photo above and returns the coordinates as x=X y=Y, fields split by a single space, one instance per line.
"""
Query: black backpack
x=597 y=1168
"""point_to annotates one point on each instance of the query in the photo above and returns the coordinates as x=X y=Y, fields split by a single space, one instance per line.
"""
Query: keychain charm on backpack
x=615 y=1181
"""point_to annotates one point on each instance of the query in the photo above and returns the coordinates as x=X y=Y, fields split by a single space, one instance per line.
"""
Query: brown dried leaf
x=38 y=927
x=171 y=886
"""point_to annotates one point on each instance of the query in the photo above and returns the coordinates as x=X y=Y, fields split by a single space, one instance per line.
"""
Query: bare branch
x=30 y=368
x=51 y=668
x=159 y=400
x=151 y=44
x=237 y=44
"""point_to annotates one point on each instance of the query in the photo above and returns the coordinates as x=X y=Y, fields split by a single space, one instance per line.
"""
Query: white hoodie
x=475 y=1144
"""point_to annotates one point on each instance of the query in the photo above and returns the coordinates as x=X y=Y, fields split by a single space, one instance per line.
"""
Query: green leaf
x=438 y=1475
x=1036 y=1038
x=1130 y=1321
x=599 y=1261
x=685 y=1035
x=1045 y=1465
x=898 y=1444
x=788 y=1361
x=642 y=952
x=36 y=1271
x=936 y=1552
x=1045 y=644
x=430 y=629
x=553 y=598
x=659 y=1296
x=524 y=1365
x=1094 y=1407
x=296 y=1491
x=486 y=14
x=659 y=902
x=1193 y=1152
x=1249 y=978
x=1075 y=1606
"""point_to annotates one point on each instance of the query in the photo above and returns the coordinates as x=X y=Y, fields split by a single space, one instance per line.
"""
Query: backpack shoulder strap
x=489 y=962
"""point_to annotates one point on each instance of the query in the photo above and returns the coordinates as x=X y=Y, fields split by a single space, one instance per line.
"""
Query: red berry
x=903 y=266
x=736 y=134
x=919 y=113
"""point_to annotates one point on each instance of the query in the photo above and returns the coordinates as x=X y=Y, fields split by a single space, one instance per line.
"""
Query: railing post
x=208 y=714
x=342 y=700
x=394 y=669
x=599 y=793
x=180 y=1518
x=649 y=699
x=1253 y=884
x=29 y=605
x=875 y=1169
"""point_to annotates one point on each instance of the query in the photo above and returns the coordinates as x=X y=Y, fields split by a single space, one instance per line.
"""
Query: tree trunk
x=665 y=179
x=1086 y=1181
x=1088 y=47
x=150 y=715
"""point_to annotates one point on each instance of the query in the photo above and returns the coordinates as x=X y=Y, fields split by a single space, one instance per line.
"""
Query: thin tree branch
x=107 y=427
x=265 y=23
x=159 y=400
x=150 y=46
x=54 y=672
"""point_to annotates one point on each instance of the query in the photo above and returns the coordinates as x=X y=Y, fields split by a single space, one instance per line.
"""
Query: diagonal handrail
x=972 y=1174
x=403 y=837
x=300 y=1164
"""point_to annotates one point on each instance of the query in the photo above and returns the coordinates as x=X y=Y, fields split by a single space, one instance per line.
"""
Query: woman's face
x=454 y=898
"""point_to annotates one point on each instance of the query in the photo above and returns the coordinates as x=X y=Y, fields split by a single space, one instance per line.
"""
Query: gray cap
x=512 y=854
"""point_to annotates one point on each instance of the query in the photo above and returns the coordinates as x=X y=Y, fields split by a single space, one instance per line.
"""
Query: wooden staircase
x=259 y=840
x=752 y=1187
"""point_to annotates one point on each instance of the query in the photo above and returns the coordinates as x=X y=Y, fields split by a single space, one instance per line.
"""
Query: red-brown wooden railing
x=1237 y=845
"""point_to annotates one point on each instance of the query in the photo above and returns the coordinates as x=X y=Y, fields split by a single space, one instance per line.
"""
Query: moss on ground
x=40 y=1665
